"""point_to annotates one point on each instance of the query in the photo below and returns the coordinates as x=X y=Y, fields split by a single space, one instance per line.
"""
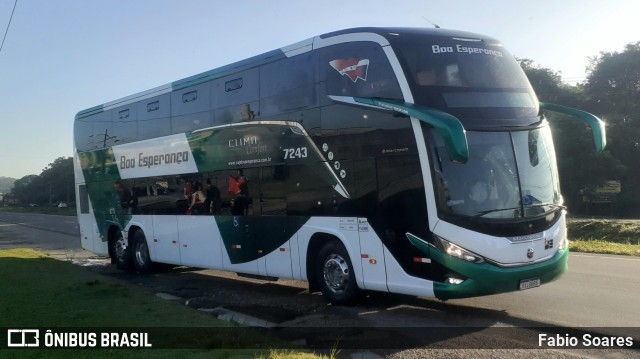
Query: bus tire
x=121 y=251
x=335 y=274
x=141 y=259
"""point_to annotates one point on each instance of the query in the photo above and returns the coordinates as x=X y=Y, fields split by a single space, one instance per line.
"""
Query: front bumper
x=486 y=278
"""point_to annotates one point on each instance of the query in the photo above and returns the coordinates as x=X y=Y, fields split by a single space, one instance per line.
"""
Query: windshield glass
x=470 y=78
x=509 y=175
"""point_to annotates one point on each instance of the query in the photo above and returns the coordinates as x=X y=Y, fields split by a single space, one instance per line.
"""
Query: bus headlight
x=457 y=251
x=564 y=243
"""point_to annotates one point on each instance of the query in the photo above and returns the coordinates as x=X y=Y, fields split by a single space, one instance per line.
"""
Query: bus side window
x=306 y=193
x=288 y=85
x=83 y=133
x=239 y=191
x=124 y=128
x=154 y=117
x=273 y=190
x=235 y=97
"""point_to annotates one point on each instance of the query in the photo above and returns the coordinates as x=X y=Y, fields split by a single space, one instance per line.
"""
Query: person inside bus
x=213 y=201
x=128 y=201
x=432 y=76
x=485 y=190
x=427 y=77
x=187 y=190
x=239 y=187
x=198 y=200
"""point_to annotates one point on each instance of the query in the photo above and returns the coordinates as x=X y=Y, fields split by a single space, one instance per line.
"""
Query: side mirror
x=596 y=124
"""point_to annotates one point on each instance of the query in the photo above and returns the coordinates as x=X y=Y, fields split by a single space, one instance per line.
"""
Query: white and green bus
x=414 y=161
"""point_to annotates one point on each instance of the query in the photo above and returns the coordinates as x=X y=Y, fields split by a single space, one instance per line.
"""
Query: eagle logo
x=353 y=68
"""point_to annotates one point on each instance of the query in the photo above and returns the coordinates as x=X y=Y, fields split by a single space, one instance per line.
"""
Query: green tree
x=22 y=189
x=614 y=84
x=613 y=88
x=58 y=181
x=55 y=184
x=546 y=82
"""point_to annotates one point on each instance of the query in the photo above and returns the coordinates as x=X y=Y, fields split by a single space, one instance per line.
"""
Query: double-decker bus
x=414 y=161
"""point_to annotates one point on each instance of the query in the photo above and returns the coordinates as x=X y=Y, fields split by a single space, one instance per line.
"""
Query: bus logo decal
x=353 y=68
x=530 y=253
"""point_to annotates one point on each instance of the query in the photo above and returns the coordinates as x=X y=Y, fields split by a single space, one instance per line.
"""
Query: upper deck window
x=470 y=78
x=462 y=63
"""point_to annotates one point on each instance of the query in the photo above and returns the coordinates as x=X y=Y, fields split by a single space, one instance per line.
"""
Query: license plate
x=529 y=283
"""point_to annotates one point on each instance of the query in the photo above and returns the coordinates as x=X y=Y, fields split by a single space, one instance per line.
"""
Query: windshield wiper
x=555 y=208
x=480 y=214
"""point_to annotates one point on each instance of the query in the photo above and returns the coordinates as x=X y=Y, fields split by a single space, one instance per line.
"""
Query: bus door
x=156 y=202
x=257 y=238
x=89 y=233
x=372 y=257
x=277 y=229
x=200 y=242
x=238 y=235
x=166 y=239
x=371 y=249
x=401 y=209
x=239 y=222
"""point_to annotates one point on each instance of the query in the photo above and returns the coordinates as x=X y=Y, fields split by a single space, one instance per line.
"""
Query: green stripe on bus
x=247 y=238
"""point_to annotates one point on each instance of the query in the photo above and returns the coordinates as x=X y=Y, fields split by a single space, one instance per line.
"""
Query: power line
x=9 y=24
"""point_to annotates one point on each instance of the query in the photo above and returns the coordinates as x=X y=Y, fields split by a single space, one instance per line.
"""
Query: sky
x=63 y=56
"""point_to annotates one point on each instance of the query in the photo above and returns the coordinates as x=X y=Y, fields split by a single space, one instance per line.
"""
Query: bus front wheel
x=335 y=274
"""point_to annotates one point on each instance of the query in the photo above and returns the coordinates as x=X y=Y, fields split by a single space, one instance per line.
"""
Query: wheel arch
x=316 y=242
x=127 y=234
x=133 y=229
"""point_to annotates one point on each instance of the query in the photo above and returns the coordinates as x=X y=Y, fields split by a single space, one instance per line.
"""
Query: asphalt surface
x=598 y=294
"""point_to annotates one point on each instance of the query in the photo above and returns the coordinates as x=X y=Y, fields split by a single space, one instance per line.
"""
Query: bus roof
x=389 y=33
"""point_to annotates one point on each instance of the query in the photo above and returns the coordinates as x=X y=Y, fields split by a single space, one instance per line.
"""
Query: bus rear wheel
x=335 y=274
x=121 y=251
x=141 y=259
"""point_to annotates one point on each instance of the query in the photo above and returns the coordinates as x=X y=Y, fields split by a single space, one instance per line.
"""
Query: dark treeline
x=611 y=92
x=52 y=186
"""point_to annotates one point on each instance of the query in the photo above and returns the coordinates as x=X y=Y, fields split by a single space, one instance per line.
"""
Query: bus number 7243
x=300 y=152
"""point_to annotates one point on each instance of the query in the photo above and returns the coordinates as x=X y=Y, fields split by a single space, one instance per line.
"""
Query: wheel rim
x=142 y=254
x=120 y=248
x=336 y=273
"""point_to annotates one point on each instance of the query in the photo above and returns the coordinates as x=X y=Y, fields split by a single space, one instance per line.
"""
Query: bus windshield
x=509 y=175
x=466 y=77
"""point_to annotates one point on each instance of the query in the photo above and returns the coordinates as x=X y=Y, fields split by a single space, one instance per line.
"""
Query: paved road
x=62 y=232
x=61 y=224
x=598 y=291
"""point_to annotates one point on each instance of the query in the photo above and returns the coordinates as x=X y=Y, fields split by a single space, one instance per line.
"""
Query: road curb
x=225 y=314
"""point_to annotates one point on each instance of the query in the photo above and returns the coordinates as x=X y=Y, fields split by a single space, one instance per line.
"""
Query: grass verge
x=40 y=292
x=605 y=237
